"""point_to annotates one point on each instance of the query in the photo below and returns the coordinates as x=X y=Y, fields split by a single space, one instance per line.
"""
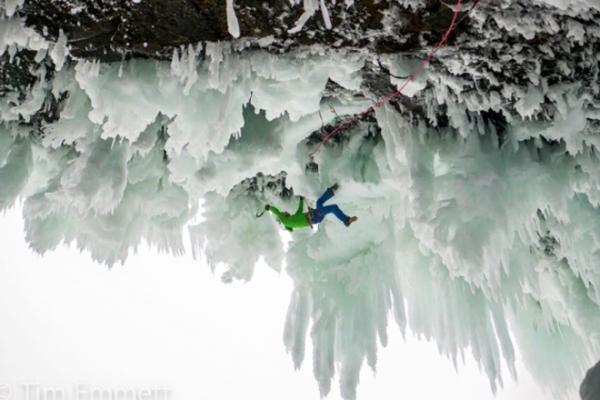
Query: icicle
x=296 y=325
x=232 y=21
x=11 y=6
x=325 y=15
x=59 y=52
x=310 y=6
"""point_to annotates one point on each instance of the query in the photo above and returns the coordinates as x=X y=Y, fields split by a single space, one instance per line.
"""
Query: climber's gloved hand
x=267 y=207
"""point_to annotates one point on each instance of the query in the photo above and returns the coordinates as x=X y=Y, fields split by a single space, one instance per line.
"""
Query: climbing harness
x=309 y=216
x=396 y=93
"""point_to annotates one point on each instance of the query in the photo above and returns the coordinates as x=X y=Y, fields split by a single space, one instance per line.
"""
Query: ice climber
x=313 y=216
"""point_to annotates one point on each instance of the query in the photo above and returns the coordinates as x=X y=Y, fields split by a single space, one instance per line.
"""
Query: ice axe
x=260 y=214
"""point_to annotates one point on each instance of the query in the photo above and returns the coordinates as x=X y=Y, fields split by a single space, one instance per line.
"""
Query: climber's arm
x=277 y=213
x=300 y=209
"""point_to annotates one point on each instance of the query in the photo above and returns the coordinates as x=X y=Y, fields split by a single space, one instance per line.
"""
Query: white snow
x=14 y=33
x=576 y=6
x=310 y=7
x=59 y=51
x=10 y=6
x=402 y=67
x=530 y=103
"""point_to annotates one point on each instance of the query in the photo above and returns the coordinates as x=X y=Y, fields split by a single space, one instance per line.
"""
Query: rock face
x=590 y=387
x=104 y=29
x=496 y=50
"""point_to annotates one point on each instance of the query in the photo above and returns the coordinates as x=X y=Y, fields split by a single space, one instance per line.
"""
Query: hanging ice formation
x=477 y=191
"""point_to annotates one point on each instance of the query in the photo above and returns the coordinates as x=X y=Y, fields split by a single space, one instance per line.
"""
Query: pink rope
x=397 y=92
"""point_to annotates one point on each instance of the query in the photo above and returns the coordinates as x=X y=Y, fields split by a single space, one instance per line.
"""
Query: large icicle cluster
x=135 y=131
x=477 y=193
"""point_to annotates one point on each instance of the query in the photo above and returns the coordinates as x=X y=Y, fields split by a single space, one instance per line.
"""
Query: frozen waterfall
x=479 y=232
